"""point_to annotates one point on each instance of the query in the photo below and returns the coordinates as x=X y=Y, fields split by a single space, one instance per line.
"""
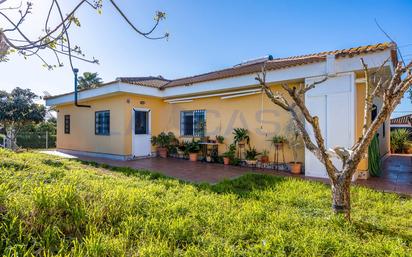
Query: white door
x=333 y=102
x=141 y=132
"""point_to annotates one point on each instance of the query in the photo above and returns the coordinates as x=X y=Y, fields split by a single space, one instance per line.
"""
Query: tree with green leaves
x=17 y=110
x=89 y=80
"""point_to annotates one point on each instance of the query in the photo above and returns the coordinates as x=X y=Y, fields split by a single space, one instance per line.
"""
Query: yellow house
x=124 y=114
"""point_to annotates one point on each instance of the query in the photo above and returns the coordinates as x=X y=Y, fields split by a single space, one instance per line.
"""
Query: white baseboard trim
x=97 y=155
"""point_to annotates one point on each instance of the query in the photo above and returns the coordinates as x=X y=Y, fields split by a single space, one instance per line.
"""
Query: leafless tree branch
x=392 y=89
x=57 y=36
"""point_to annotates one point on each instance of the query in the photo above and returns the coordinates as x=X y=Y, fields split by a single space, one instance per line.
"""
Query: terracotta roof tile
x=255 y=66
x=156 y=82
x=403 y=120
x=278 y=63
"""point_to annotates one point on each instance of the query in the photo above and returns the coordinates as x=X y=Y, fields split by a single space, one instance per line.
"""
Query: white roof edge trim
x=342 y=65
x=105 y=90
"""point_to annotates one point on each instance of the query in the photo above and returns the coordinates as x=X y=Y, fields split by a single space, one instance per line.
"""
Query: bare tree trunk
x=341 y=195
x=11 y=137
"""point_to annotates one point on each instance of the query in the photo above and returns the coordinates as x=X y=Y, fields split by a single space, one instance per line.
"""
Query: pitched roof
x=254 y=66
x=156 y=82
x=278 y=63
x=403 y=120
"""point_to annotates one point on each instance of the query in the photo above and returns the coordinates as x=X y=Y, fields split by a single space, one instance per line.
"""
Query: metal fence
x=32 y=140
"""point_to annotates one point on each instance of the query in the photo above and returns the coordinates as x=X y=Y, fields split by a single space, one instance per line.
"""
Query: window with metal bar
x=102 y=123
x=66 y=124
x=193 y=123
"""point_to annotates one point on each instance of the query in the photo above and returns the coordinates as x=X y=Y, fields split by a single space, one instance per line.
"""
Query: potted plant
x=220 y=139
x=264 y=157
x=277 y=140
x=163 y=142
x=201 y=131
x=193 y=149
x=229 y=155
x=251 y=155
x=295 y=142
x=181 y=150
x=241 y=136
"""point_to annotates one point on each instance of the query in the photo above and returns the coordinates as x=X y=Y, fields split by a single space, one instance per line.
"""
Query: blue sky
x=209 y=35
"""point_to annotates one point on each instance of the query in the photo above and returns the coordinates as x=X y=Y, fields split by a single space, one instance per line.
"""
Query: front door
x=141 y=133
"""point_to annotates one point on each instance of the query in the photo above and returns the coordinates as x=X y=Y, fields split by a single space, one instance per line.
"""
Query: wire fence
x=32 y=140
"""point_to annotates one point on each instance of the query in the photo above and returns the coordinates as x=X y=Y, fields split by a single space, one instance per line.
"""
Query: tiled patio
x=396 y=175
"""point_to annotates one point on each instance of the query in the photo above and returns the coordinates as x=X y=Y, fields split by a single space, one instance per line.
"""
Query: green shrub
x=400 y=140
x=35 y=140
x=251 y=153
x=54 y=206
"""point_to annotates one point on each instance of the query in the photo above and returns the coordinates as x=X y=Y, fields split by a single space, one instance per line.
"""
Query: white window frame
x=193 y=125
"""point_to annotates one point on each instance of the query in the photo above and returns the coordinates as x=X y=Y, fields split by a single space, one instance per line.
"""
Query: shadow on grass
x=241 y=186
x=244 y=185
x=13 y=164
x=54 y=163
x=366 y=227
x=151 y=175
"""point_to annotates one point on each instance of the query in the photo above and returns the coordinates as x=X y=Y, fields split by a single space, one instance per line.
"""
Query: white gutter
x=182 y=101
x=211 y=95
x=239 y=95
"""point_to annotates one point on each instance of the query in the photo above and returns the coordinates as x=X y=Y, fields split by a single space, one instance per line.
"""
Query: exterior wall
x=82 y=127
x=383 y=131
x=222 y=116
x=360 y=103
x=159 y=118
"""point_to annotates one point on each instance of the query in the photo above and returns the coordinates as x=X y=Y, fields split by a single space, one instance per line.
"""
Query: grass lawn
x=52 y=206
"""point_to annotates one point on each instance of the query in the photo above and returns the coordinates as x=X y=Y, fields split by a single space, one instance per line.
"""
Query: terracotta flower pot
x=162 y=152
x=226 y=160
x=264 y=159
x=193 y=157
x=295 y=167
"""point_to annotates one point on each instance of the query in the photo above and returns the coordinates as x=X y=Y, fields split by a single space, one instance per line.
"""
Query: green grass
x=51 y=206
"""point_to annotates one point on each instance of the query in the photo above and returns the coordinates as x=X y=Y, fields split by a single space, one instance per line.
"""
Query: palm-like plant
x=278 y=140
x=240 y=136
x=89 y=80
x=251 y=154
x=400 y=140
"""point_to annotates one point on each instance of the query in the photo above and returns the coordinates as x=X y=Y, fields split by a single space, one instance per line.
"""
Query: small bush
x=400 y=140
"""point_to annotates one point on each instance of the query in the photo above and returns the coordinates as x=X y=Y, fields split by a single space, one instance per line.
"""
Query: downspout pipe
x=75 y=71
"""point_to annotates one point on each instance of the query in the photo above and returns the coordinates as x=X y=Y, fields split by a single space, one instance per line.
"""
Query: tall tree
x=56 y=37
x=89 y=80
x=389 y=90
x=18 y=109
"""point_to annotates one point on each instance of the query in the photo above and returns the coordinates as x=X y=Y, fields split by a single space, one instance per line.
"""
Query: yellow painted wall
x=222 y=116
x=82 y=127
x=360 y=103
x=384 y=136
x=159 y=116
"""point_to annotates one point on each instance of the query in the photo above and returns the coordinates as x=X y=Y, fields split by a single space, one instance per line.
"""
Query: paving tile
x=396 y=171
